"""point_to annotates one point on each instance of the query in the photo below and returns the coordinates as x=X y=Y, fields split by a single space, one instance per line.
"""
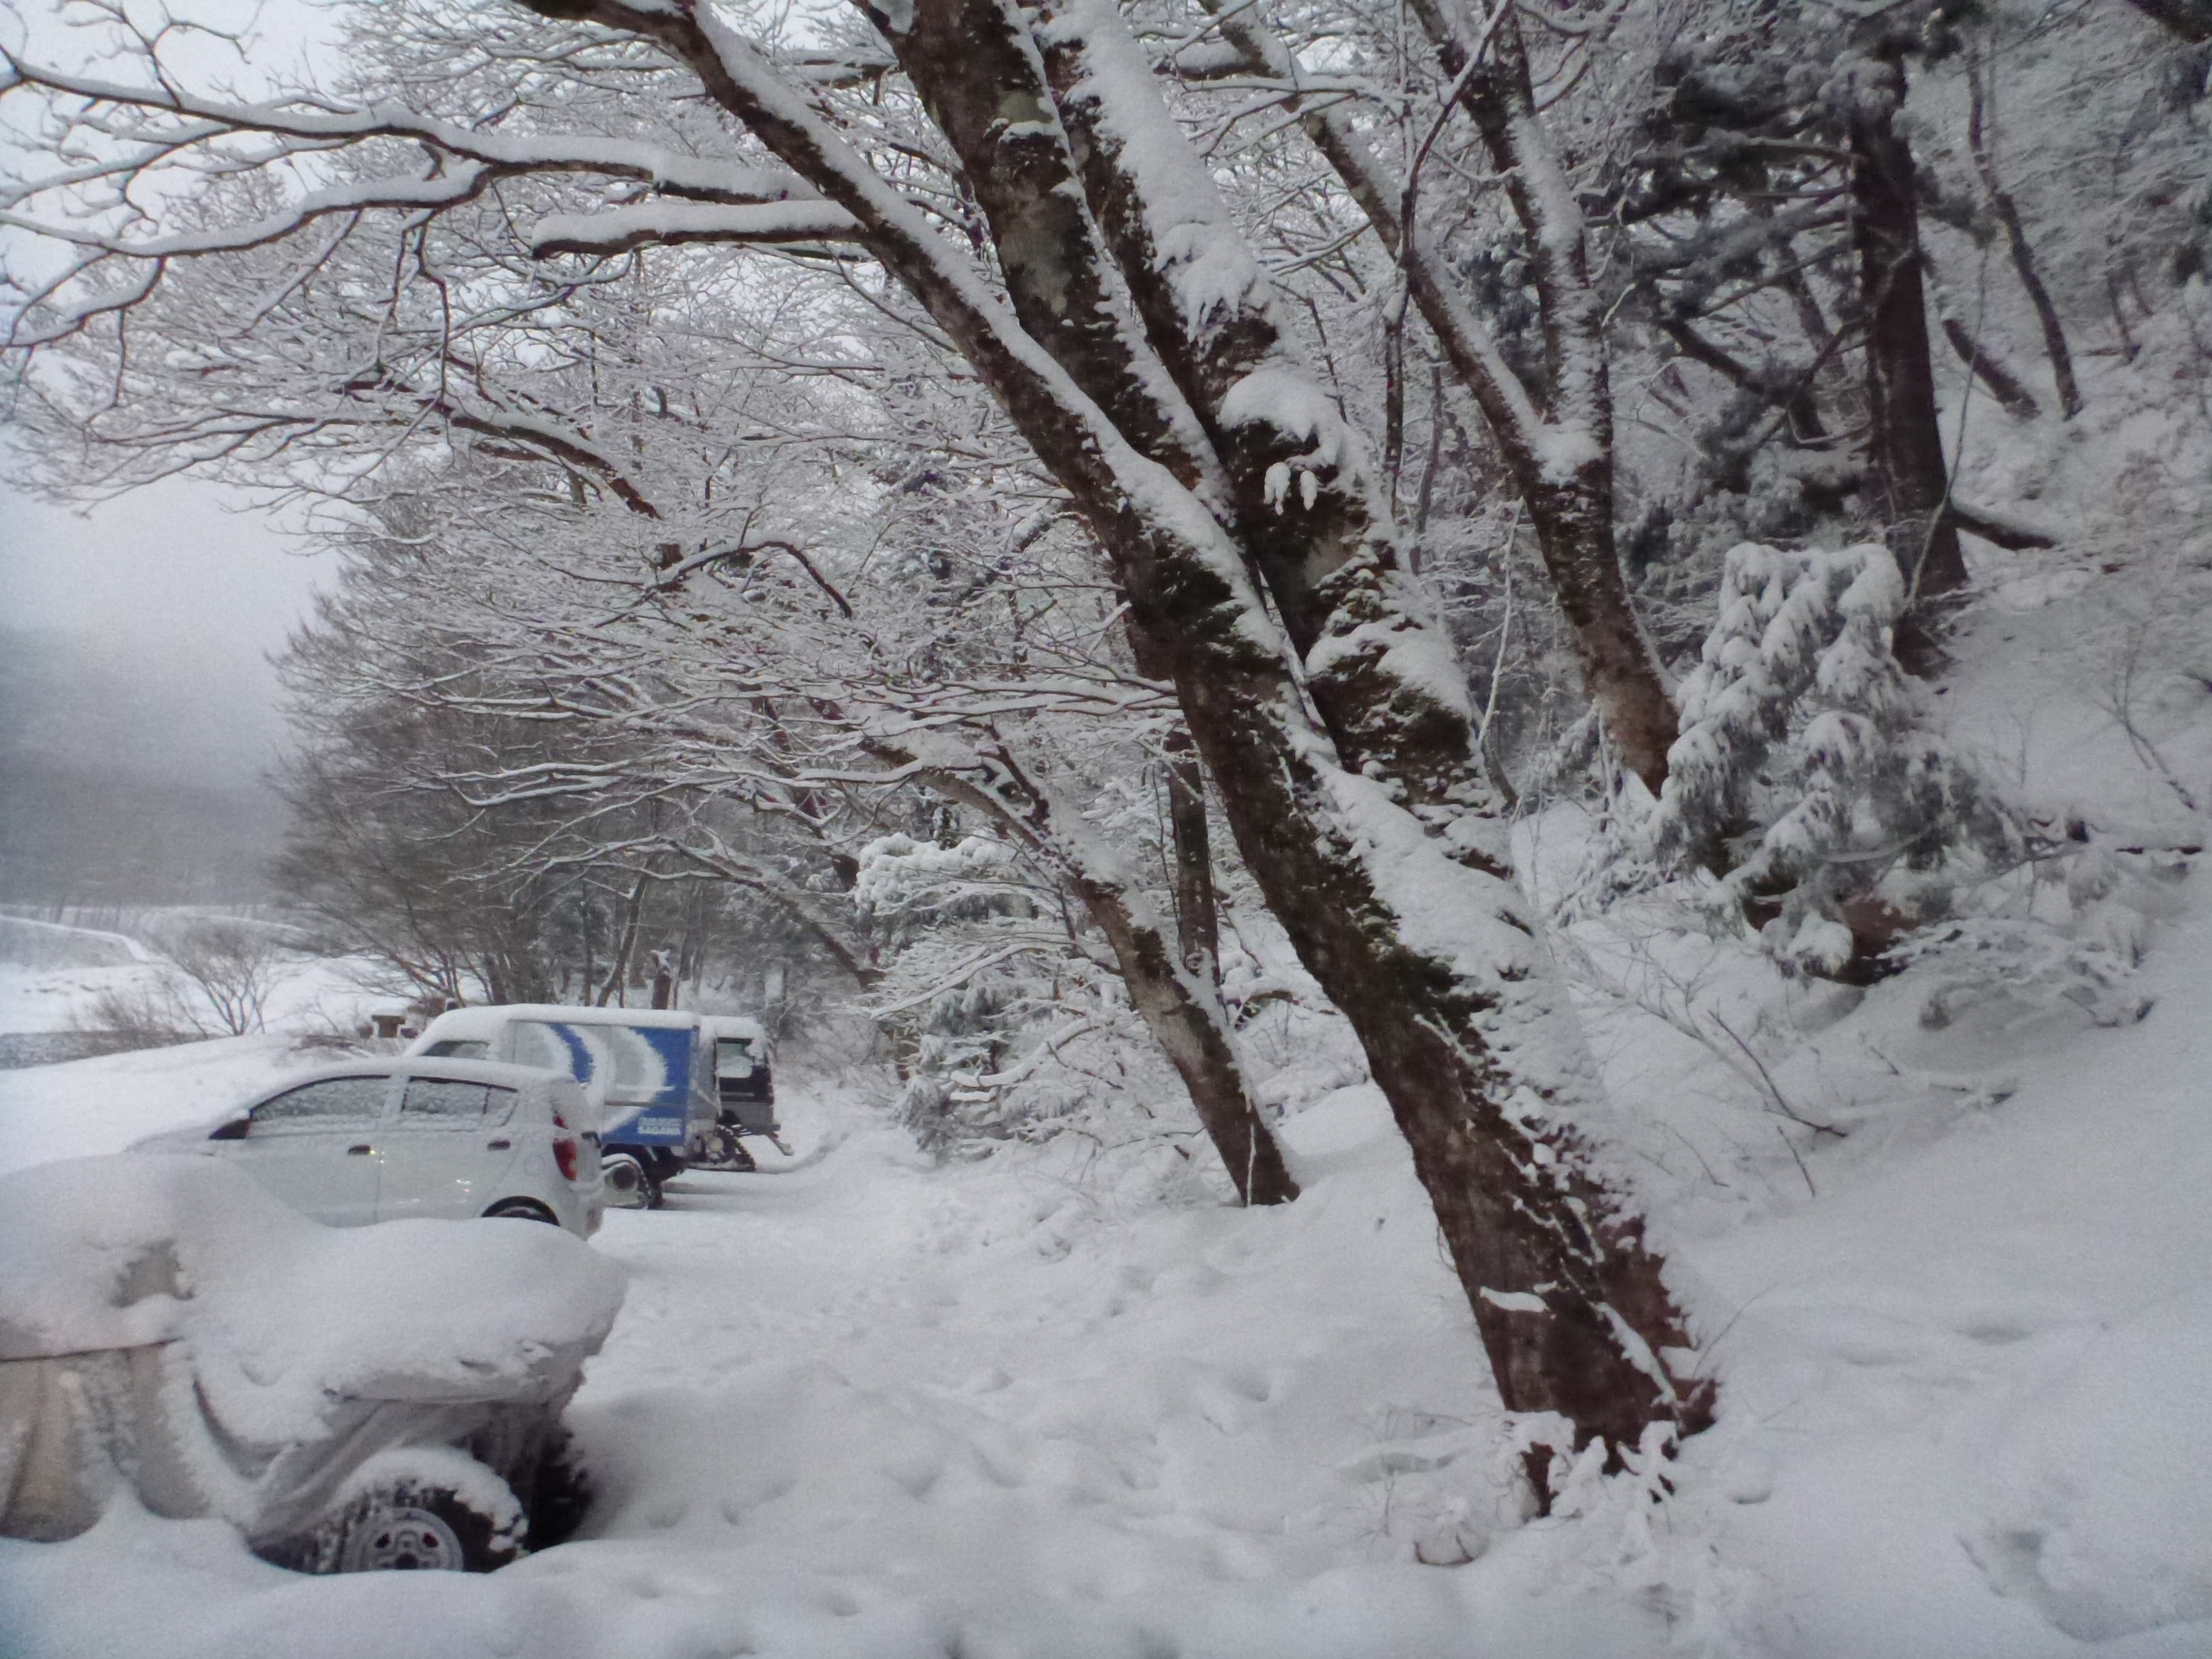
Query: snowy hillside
x=63 y=987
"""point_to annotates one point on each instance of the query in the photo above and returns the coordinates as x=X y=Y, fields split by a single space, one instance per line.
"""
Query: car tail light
x=564 y=1147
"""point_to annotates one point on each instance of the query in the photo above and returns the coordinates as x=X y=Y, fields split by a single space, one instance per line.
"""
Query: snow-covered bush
x=2023 y=961
x=1804 y=778
x=1004 y=1027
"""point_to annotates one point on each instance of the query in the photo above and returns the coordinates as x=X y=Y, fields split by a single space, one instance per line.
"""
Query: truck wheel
x=630 y=1185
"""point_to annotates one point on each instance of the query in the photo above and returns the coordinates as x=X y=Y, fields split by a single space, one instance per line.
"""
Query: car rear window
x=456 y=1048
x=333 y=1100
x=448 y=1100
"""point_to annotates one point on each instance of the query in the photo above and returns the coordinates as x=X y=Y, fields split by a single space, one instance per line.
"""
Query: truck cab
x=745 y=1092
x=745 y=1086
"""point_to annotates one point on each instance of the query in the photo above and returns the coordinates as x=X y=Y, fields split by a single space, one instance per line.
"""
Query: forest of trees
x=1009 y=513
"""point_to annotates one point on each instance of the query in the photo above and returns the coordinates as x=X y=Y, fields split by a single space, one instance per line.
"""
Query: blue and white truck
x=651 y=1074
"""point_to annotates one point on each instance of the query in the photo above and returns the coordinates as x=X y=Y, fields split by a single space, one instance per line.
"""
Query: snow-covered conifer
x=1806 y=777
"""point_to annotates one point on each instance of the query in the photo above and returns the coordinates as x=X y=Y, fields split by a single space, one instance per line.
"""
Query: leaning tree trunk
x=1559 y=457
x=1478 y=1067
x=1181 y=1006
x=1198 y=913
x=2016 y=241
x=1909 y=482
x=1381 y=852
x=1179 y=1001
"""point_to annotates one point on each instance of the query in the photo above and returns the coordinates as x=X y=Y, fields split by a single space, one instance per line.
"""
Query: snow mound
x=282 y=1315
x=2100 y=1510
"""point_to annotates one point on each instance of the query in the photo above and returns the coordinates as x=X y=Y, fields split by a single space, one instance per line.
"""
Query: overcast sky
x=175 y=594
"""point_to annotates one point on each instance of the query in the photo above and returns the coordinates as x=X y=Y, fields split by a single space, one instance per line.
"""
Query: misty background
x=140 y=718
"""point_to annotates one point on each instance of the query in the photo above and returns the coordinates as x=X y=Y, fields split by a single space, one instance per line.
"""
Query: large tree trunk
x=1381 y=851
x=1542 y=1247
x=1559 y=457
x=1909 y=481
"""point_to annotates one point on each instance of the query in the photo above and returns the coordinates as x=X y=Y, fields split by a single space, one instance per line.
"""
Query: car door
x=315 y=1146
x=452 y=1142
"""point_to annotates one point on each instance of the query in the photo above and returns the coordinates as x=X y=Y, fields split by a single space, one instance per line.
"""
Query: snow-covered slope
x=1967 y=1394
x=89 y=1107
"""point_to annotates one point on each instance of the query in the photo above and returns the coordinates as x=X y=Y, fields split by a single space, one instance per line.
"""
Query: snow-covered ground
x=1062 y=1402
x=1065 y=1404
x=51 y=978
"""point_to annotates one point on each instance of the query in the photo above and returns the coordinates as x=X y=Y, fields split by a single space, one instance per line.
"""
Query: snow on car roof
x=735 y=1025
x=500 y=1072
x=484 y=1023
x=566 y=1093
x=282 y=1313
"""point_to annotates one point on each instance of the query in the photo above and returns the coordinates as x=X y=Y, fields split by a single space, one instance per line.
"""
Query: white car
x=437 y=1139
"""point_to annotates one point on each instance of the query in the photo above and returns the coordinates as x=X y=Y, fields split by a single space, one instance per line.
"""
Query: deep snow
x=1064 y=1404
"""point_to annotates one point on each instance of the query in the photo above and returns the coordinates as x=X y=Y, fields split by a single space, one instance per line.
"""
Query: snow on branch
x=462 y=183
x=698 y=177
x=663 y=224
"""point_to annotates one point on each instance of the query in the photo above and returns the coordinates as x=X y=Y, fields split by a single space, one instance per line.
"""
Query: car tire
x=521 y=1210
x=630 y=1184
x=406 y=1525
x=453 y=1514
x=561 y=1491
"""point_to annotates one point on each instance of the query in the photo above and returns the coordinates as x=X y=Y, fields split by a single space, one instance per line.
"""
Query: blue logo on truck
x=642 y=1073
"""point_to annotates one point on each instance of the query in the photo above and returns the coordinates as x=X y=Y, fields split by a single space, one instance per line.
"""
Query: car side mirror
x=233 y=1130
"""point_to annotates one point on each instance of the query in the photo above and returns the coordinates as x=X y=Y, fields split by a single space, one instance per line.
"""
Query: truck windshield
x=734 y=1058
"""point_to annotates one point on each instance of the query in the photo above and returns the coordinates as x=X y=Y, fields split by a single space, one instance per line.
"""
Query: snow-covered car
x=348 y=1398
x=384 y=1140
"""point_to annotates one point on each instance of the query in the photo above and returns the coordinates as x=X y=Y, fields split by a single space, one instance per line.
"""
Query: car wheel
x=560 y=1491
x=629 y=1184
x=416 y=1525
x=521 y=1210
x=421 y=1530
